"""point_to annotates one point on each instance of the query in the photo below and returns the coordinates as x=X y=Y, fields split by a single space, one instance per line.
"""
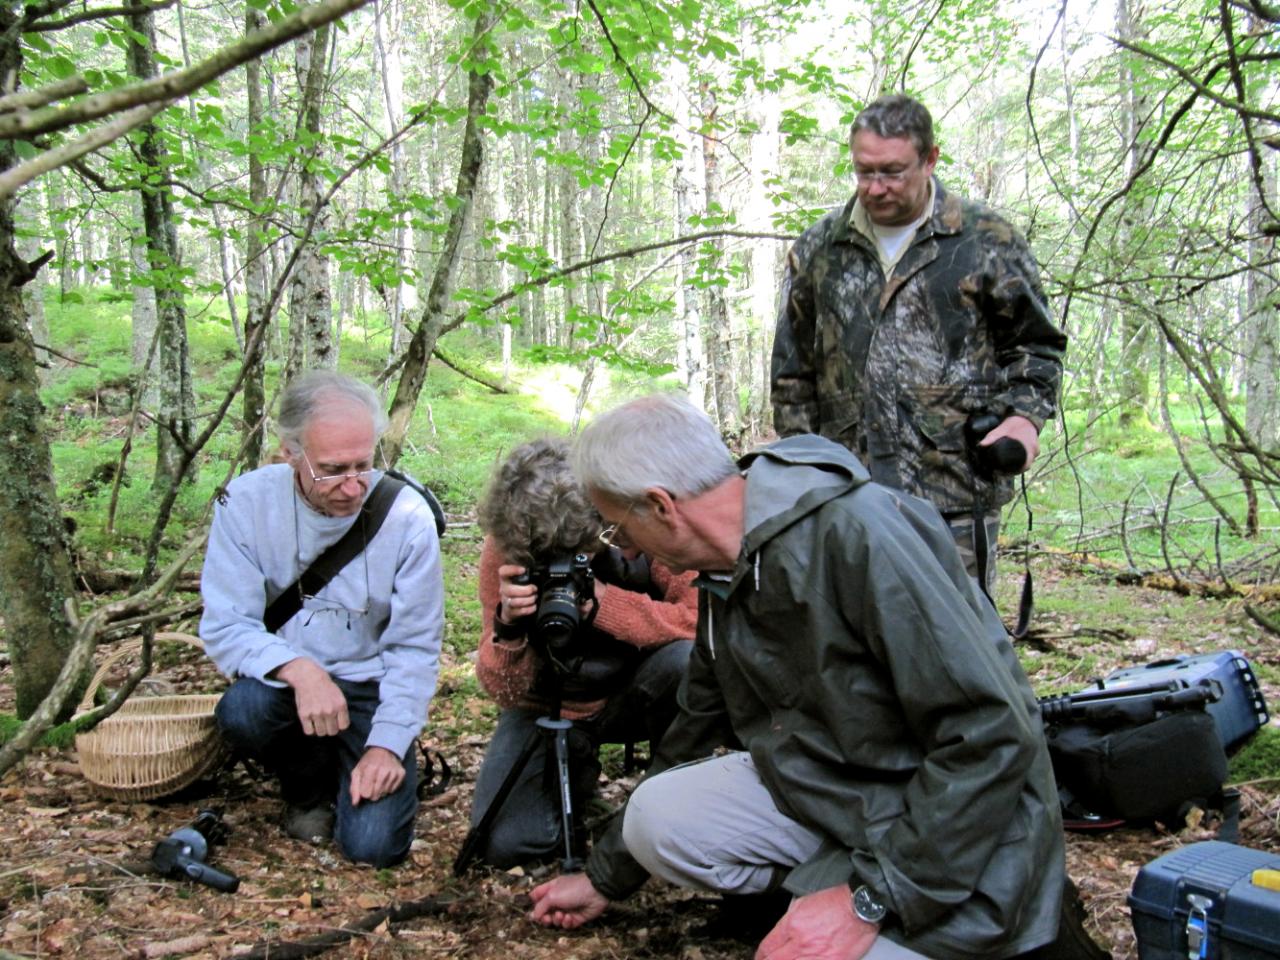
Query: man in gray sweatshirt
x=333 y=700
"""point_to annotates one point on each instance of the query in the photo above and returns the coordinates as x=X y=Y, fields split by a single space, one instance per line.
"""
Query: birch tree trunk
x=1135 y=333
x=431 y=325
x=766 y=258
x=689 y=355
x=142 y=312
x=28 y=204
x=719 y=328
x=175 y=409
x=310 y=304
x=1262 y=328
x=388 y=43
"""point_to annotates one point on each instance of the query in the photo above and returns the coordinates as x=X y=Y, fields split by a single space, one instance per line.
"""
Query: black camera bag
x=1152 y=769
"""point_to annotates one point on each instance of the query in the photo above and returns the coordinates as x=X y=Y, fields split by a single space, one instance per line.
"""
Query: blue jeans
x=528 y=825
x=261 y=722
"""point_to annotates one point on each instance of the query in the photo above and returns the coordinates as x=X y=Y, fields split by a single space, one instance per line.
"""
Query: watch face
x=867 y=907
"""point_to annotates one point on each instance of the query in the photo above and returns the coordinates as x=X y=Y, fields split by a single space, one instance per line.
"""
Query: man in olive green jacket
x=888 y=765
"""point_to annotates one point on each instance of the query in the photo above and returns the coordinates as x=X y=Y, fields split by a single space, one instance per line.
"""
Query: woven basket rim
x=150 y=746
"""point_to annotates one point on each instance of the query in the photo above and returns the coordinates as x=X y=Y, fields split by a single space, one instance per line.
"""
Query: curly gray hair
x=535 y=508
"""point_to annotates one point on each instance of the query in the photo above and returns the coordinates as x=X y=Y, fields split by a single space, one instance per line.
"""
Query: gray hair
x=661 y=440
x=896 y=115
x=308 y=391
x=535 y=508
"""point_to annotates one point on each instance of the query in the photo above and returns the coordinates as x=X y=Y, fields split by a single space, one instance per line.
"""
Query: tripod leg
x=479 y=834
x=571 y=862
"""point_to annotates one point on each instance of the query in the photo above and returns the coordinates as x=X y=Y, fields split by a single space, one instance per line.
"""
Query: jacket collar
x=944 y=220
x=787 y=481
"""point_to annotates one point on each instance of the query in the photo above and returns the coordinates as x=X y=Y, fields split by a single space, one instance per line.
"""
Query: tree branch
x=86 y=16
x=15 y=177
x=172 y=86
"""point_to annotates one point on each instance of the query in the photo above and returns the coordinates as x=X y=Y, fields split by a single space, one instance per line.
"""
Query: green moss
x=1258 y=760
x=59 y=737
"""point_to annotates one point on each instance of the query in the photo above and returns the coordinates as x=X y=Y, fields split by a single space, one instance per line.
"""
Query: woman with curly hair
x=617 y=682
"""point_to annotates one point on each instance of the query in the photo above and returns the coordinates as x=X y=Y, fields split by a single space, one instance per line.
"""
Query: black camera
x=565 y=585
x=1006 y=455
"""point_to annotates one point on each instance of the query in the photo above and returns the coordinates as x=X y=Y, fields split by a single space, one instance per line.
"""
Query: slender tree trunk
x=33 y=293
x=175 y=411
x=766 y=258
x=35 y=564
x=310 y=304
x=720 y=333
x=430 y=326
x=255 y=271
x=143 y=312
x=1262 y=326
x=689 y=353
x=389 y=42
x=1135 y=332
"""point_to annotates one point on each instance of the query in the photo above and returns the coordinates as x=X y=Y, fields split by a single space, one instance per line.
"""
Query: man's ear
x=660 y=502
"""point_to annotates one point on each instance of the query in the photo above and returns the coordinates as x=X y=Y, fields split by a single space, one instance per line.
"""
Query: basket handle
x=127 y=648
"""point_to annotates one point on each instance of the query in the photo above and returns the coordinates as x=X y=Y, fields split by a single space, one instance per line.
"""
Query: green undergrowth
x=1125 y=496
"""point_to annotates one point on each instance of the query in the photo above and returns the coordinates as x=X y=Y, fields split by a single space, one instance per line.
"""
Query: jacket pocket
x=940 y=411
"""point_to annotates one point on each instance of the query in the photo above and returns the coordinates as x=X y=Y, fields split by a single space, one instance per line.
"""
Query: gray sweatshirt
x=381 y=618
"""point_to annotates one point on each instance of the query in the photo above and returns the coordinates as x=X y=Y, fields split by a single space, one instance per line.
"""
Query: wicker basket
x=151 y=746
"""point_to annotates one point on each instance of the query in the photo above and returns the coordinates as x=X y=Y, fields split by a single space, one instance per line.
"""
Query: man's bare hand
x=1020 y=429
x=518 y=600
x=568 y=901
x=819 y=926
x=378 y=774
x=322 y=709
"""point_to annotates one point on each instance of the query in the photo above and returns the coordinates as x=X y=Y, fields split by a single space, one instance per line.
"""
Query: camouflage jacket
x=893 y=368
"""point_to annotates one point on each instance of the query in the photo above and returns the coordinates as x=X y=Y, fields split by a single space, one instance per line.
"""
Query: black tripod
x=556 y=729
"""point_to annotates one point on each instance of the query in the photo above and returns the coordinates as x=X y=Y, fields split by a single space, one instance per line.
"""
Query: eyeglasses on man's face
x=613 y=535
x=361 y=474
x=889 y=178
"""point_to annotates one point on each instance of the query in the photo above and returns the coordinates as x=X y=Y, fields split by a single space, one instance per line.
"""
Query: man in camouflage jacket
x=906 y=313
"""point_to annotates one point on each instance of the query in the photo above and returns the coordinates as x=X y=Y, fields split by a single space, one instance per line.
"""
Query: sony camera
x=565 y=585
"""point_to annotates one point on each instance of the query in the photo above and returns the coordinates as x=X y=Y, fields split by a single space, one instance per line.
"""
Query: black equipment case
x=1238 y=713
x=1208 y=901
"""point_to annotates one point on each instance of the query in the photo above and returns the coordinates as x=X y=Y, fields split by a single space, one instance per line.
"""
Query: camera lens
x=558 y=616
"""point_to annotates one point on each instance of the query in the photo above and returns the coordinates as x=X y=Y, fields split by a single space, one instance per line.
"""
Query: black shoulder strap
x=437 y=511
x=327 y=566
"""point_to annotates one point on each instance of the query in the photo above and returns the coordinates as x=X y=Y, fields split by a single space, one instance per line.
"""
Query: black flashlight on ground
x=182 y=853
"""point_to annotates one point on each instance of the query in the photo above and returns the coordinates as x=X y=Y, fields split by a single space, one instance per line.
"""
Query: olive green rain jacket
x=881 y=702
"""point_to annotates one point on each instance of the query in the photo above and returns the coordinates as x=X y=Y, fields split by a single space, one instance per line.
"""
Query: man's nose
x=351 y=483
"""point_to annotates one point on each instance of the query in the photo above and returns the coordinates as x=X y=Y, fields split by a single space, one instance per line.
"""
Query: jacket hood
x=778 y=494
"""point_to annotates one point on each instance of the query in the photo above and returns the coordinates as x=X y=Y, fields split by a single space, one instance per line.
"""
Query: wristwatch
x=866 y=905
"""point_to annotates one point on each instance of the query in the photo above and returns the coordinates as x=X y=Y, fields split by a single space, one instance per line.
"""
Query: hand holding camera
x=1011 y=451
x=565 y=587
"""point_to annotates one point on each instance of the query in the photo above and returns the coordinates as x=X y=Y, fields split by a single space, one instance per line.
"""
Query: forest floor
x=74 y=880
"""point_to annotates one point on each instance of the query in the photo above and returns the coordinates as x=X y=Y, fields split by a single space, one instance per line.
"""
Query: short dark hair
x=535 y=508
x=897 y=115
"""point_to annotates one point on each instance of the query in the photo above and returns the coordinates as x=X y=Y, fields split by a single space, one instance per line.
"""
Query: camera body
x=565 y=585
x=1006 y=455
